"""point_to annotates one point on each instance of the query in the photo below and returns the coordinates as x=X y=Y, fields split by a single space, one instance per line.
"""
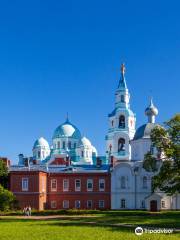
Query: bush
x=7 y=200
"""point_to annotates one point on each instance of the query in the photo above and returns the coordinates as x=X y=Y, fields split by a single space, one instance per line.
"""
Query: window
x=163 y=204
x=64 y=145
x=87 y=154
x=69 y=145
x=82 y=154
x=77 y=204
x=89 y=185
x=123 y=203
x=53 y=204
x=25 y=183
x=122 y=98
x=112 y=123
x=144 y=182
x=123 y=182
x=74 y=145
x=58 y=144
x=142 y=204
x=39 y=154
x=101 y=185
x=53 y=185
x=65 y=204
x=121 y=145
x=77 y=185
x=122 y=121
x=89 y=204
x=101 y=203
x=65 y=185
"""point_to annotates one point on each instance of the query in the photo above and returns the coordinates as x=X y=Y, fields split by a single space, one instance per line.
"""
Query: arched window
x=123 y=203
x=64 y=145
x=122 y=98
x=121 y=145
x=123 y=182
x=122 y=121
x=144 y=182
x=82 y=154
x=58 y=145
x=39 y=154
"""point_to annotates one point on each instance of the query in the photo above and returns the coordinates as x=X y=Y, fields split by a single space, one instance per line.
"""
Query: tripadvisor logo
x=139 y=231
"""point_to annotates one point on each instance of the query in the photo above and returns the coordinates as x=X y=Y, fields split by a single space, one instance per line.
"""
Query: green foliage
x=7 y=199
x=150 y=163
x=3 y=174
x=167 y=142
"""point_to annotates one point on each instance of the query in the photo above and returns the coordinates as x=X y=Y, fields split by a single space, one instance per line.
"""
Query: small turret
x=151 y=112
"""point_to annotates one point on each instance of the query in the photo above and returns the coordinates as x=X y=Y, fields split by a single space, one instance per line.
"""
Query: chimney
x=98 y=162
x=68 y=161
x=26 y=162
x=21 y=159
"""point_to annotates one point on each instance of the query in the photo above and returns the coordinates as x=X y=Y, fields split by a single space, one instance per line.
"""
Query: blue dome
x=144 y=131
x=67 y=130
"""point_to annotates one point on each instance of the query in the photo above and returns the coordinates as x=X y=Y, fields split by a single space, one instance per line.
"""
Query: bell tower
x=121 y=123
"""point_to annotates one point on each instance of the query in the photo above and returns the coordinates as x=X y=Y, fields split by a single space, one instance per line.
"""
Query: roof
x=113 y=113
x=62 y=169
x=144 y=131
x=67 y=129
x=41 y=142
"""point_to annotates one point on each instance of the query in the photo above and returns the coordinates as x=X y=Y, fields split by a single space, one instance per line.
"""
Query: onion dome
x=41 y=142
x=151 y=111
x=67 y=129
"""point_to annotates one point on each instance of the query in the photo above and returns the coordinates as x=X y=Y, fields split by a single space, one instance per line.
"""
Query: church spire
x=122 y=81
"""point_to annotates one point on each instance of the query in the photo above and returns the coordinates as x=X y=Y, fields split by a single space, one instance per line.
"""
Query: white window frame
x=79 y=204
x=101 y=203
x=91 y=204
x=52 y=188
x=26 y=187
x=90 y=181
x=53 y=204
x=77 y=189
x=65 y=189
x=101 y=180
x=66 y=204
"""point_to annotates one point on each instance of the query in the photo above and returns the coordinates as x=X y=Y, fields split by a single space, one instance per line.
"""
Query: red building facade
x=62 y=187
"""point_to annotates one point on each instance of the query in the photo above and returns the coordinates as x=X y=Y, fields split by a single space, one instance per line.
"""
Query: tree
x=167 y=142
x=7 y=199
x=3 y=174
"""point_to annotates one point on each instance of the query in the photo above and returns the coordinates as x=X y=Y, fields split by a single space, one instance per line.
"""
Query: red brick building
x=61 y=187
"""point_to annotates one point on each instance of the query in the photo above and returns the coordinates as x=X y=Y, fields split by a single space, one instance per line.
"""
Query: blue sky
x=64 y=56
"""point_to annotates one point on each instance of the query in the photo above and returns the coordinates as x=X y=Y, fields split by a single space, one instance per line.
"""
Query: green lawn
x=89 y=226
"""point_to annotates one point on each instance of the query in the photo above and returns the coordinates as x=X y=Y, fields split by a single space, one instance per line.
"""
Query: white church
x=125 y=148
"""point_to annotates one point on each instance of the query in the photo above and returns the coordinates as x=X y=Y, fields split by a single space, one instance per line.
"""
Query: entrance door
x=153 y=206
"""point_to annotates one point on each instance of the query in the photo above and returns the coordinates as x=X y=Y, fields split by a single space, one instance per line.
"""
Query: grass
x=78 y=225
